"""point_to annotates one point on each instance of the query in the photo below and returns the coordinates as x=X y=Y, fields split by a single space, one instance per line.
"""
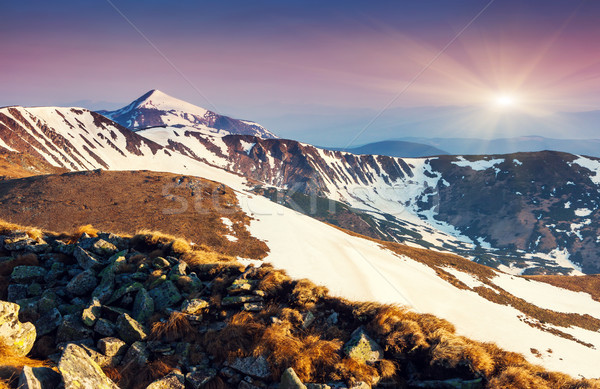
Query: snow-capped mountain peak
x=157 y=109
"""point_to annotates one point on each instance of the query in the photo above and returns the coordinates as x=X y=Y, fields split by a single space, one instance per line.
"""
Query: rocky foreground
x=100 y=310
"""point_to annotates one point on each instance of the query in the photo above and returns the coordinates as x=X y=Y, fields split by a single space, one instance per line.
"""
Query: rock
x=105 y=289
x=198 y=379
x=289 y=380
x=257 y=367
x=170 y=381
x=241 y=285
x=129 y=329
x=318 y=386
x=38 y=378
x=165 y=295
x=308 y=319
x=143 y=306
x=83 y=283
x=112 y=346
x=236 y=300
x=103 y=248
x=253 y=307
x=27 y=274
x=86 y=260
x=104 y=327
x=91 y=313
x=101 y=359
x=160 y=263
x=122 y=291
x=137 y=354
x=48 y=322
x=16 y=335
x=48 y=301
x=17 y=244
x=179 y=270
x=247 y=385
x=16 y=292
x=34 y=289
x=332 y=319
x=454 y=383
x=80 y=371
x=194 y=306
x=362 y=348
x=72 y=329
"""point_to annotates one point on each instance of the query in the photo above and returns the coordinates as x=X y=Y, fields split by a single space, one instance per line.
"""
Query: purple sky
x=271 y=60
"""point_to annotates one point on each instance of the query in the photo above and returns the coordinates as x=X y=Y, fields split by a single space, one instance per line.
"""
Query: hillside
x=151 y=310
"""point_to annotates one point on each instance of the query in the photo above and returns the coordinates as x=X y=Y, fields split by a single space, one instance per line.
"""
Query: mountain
x=157 y=109
x=550 y=325
x=526 y=214
x=395 y=148
x=474 y=146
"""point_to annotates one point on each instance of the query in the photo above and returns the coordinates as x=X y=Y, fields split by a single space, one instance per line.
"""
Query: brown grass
x=86 y=229
x=28 y=259
x=11 y=364
x=306 y=294
x=176 y=327
x=33 y=232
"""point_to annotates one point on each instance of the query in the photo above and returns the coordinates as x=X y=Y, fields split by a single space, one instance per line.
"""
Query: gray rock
x=165 y=295
x=72 y=329
x=362 y=348
x=83 y=283
x=160 y=263
x=16 y=335
x=16 y=292
x=194 y=306
x=80 y=371
x=317 y=386
x=198 y=379
x=103 y=248
x=34 y=289
x=27 y=274
x=38 y=378
x=101 y=359
x=257 y=367
x=86 y=260
x=238 y=300
x=112 y=346
x=129 y=329
x=48 y=322
x=289 y=380
x=125 y=289
x=104 y=327
x=170 y=381
x=241 y=285
x=143 y=306
x=91 y=313
x=106 y=287
x=137 y=354
x=253 y=307
x=454 y=383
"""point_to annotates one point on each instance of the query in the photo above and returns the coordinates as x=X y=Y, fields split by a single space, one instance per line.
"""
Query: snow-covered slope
x=157 y=109
x=361 y=269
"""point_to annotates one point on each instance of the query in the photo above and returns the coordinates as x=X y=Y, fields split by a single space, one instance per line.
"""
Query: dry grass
x=306 y=294
x=162 y=240
x=176 y=327
x=86 y=229
x=273 y=281
x=33 y=232
x=29 y=259
x=12 y=364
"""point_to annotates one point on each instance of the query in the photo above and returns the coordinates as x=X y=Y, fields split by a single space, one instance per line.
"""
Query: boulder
x=103 y=248
x=16 y=335
x=91 y=314
x=194 y=306
x=112 y=346
x=129 y=329
x=86 y=260
x=143 y=306
x=83 y=283
x=170 y=381
x=80 y=371
x=48 y=322
x=38 y=378
x=27 y=274
x=256 y=367
x=165 y=295
x=362 y=348
x=289 y=380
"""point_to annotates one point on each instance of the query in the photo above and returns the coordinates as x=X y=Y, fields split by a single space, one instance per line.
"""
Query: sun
x=505 y=101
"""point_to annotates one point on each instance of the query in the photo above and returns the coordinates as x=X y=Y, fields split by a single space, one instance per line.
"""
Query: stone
x=86 y=260
x=105 y=289
x=194 y=306
x=143 y=306
x=253 y=307
x=332 y=319
x=34 y=289
x=180 y=269
x=290 y=380
x=103 y=248
x=38 y=378
x=48 y=322
x=125 y=289
x=72 y=329
x=317 y=386
x=16 y=335
x=238 y=300
x=308 y=319
x=101 y=359
x=454 y=383
x=137 y=354
x=27 y=274
x=129 y=329
x=80 y=371
x=160 y=263
x=48 y=301
x=112 y=346
x=256 y=367
x=241 y=285
x=198 y=379
x=16 y=292
x=170 y=381
x=91 y=313
x=104 y=327
x=165 y=295
x=362 y=348
x=83 y=283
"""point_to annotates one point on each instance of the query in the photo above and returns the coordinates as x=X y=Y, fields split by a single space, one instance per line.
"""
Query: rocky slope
x=149 y=312
x=157 y=109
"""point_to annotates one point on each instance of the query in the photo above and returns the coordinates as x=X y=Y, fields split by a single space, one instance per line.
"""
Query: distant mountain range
x=395 y=148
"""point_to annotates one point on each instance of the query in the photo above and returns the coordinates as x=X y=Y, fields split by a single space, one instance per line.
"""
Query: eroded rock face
x=80 y=371
x=18 y=336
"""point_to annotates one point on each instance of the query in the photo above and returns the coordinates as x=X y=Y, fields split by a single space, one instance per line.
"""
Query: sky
x=324 y=72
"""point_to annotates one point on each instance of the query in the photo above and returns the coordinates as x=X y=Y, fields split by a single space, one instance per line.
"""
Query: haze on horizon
x=319 y=72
